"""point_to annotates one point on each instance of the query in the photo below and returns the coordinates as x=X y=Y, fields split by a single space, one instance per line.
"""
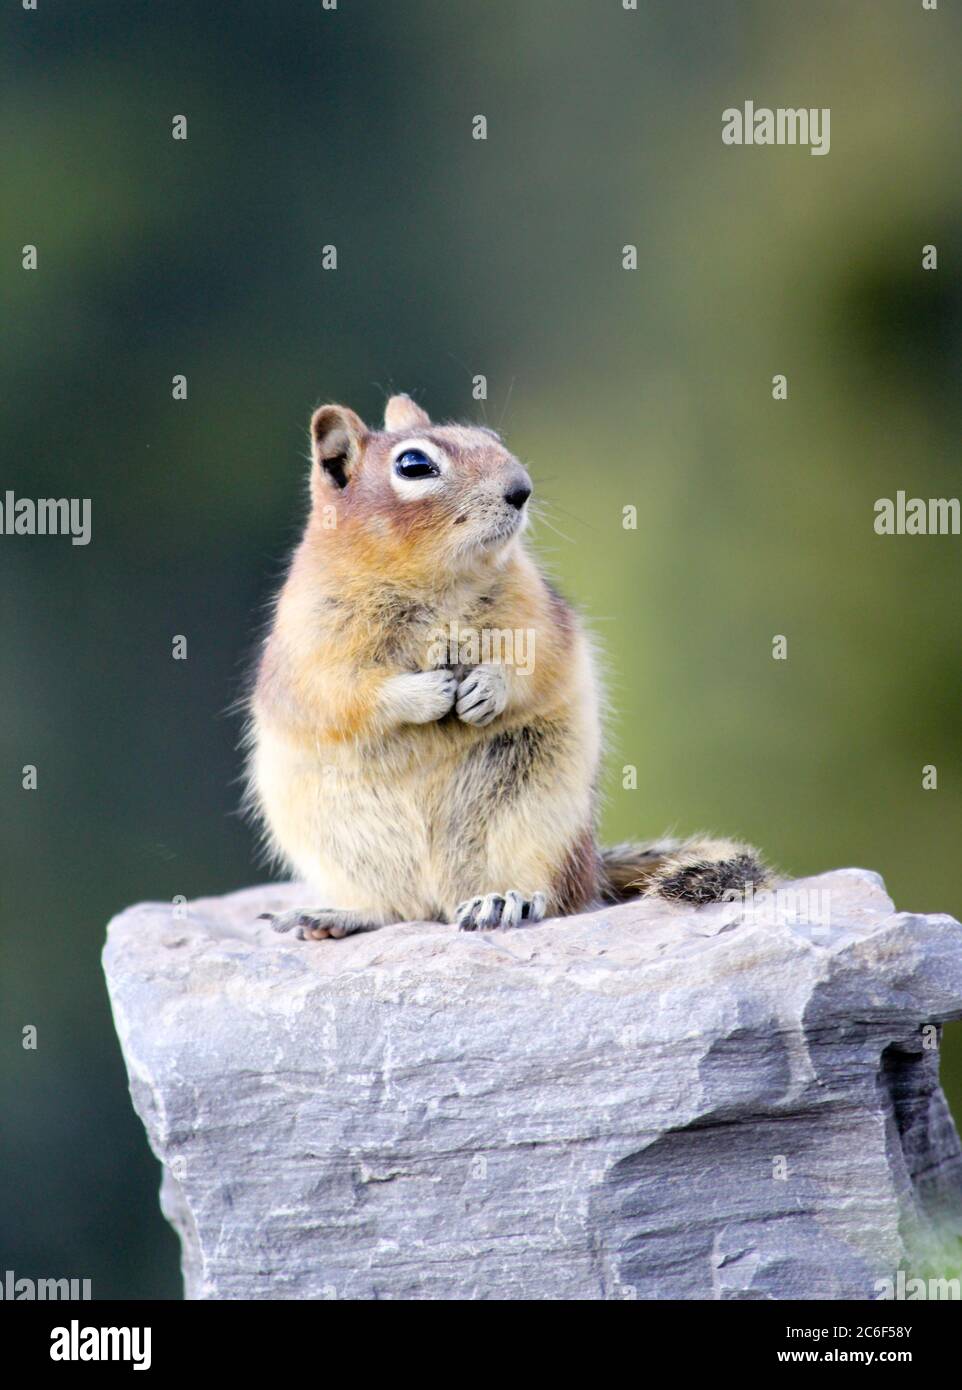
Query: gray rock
x=645 y=1101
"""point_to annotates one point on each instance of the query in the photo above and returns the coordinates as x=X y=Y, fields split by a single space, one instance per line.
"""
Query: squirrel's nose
x=518 y=495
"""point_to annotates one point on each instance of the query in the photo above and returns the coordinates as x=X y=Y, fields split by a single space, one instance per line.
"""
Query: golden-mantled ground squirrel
x=425 y=734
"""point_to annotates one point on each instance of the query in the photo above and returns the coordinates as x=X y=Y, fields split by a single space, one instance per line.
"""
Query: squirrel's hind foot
x=489 y=911
x=319 y=923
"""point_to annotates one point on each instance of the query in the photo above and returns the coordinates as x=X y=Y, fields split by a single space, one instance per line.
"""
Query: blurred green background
x=649 y=388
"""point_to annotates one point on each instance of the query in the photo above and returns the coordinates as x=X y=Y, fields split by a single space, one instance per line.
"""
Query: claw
x=280 y=921
x=466 y=913
x=513 y=910
x=490 y=914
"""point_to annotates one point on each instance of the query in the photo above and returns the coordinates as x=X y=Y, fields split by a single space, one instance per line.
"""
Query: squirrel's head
x=414 y=499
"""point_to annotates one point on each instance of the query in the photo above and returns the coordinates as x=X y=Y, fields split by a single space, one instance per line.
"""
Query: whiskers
x=539 y=513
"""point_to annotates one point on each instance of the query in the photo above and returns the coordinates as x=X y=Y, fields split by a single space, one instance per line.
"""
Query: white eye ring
x=428 y=456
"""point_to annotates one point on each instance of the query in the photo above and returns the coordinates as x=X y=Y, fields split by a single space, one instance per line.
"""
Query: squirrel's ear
x=401 y=413
x=337 y=435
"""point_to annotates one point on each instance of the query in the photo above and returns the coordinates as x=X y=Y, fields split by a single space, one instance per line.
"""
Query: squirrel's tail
x=698 y=870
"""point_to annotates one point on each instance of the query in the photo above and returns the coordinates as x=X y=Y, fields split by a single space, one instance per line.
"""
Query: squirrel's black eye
x=414 y=463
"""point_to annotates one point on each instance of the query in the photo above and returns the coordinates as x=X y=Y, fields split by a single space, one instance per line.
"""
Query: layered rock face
x=738 y=1101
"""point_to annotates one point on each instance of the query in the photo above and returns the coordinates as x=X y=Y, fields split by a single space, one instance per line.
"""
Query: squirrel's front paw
x=489 y=911
x=421 y=697
x=482 y=695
